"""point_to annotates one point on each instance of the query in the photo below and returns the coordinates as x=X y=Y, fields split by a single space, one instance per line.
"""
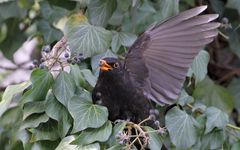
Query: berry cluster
x=77 y=59
x=122 y=138
x=57 y=57
x=153 y=114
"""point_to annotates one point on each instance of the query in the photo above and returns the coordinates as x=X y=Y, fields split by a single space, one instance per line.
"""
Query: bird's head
x=110 y=64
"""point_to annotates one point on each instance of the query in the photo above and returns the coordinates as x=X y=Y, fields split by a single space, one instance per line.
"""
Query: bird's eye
x=116 y=65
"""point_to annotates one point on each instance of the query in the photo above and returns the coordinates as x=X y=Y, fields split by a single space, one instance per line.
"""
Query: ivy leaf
x=122 y=38
x=116 y=129
x=57 y=111
x=85 y=38
x=11 y=9
x=50 y=33
x=41 y=82
x=233 y=88
x=215 y=118
x=184 y=98
x=45 y=131
x=213 y=95
x=234 y=4
x=91 y=135
x=181 y=128
x=86 y=114
x=199 y=65
x=100 y=11
x=65 y=145
x=32 y=108
x=155 y=140
x=116 y=147
x=9 y=93
x=52 y=13
x=89 y=77
x=64 y=88
x=34 y=120
x=14 y=38
x=213 y=140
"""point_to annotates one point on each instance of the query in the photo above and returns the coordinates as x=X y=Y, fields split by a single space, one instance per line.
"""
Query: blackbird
x=155 y=66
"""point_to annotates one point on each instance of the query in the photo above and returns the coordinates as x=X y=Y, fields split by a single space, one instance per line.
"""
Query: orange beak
x=104 y=66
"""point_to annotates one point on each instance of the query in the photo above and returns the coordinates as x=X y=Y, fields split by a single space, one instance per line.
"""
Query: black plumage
x=155 y=66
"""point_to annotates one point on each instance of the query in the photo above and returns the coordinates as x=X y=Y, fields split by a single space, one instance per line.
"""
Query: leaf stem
x=228 y=125
x=233 y=127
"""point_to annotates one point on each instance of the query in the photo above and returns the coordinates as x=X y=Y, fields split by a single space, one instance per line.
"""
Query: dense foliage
x=55 y=110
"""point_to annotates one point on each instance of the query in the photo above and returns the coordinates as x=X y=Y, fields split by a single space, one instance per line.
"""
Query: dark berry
x=35 y=62
x=152 y=117
x=42 y=60
x=46 y=49
x=66 y=55
x=99 y=102
x=157 y=123
x=121 y=142
x=75 y=58
x=31 y=67
x=80 y=54
x=69 y=60
x=151 y=111
x=225 y=20
x=41 y=66
x=73 y=62
x=156 y=112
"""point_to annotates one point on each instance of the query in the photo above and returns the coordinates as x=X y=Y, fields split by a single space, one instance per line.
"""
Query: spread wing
x=159 y=59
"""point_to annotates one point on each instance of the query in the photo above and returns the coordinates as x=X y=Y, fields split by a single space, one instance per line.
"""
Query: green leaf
x=14 y=39
x=89 y=136
x=100 y=11
x=181 y=128
x=9 y=93
x=116 y=129
x=52 y=13
x=15 y=114
x=236 y=146
x=45 y=131
x=86 y=114
x=89 y=77
x=50 y=33
x=234 y=4
x=233 y=88
x=57 y=111
x=199 y=65
x=212 y=94
x=41 y=82
x=65 y=145
x=122 y=38
x=155 y=140
x=64 y=88
x=184 y=98
x=218 y=7
x=123 y=5
x=34 y=120
x=215 y=118
x=213 y=140
x=116 y=147
x=77 y=76
x=33 y=107
x=85 y=38
x=167 y=9
x=11 y=9
x=234 y=40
